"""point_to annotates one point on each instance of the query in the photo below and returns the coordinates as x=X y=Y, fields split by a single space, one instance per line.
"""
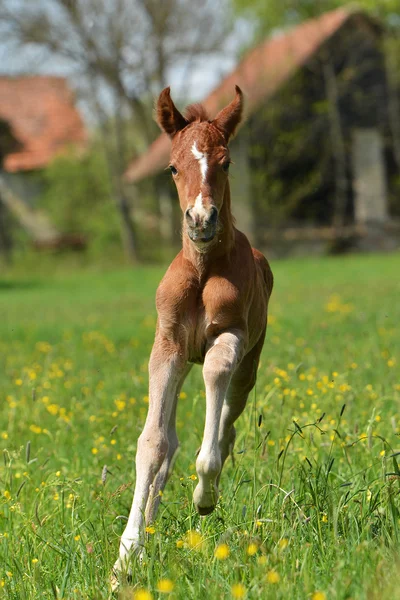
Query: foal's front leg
x=166 y=367
x=220 y=362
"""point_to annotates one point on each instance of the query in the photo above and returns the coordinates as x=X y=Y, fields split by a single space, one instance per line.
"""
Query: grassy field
x=310 y=506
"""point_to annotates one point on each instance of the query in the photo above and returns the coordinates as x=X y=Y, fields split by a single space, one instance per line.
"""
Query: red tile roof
x=260 y=74
x=43 y=119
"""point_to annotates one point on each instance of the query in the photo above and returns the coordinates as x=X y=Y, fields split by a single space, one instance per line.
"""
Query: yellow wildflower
x=318 y=596
x=252 y=549
x=238 y=590
x=35 y=429
x=142 y=595
x=150 y=530
x=283 y=543
x=221 y=552
x=194 y=540
x=273 y=576
x=165 y=586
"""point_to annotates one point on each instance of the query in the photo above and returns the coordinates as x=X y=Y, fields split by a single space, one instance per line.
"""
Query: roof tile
x=42 y=117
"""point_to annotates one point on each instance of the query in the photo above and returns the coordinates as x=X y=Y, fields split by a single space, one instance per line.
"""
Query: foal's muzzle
x=201 y=227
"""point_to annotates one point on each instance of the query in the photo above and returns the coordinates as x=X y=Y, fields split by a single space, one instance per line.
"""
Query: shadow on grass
x=18 y=285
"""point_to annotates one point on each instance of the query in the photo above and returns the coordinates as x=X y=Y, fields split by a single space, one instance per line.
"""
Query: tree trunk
x=5 y=238
x=338 y=143
x=128 y=230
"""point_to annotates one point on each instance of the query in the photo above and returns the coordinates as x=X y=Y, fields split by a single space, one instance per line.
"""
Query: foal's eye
x=173 y=170
x=225 y=166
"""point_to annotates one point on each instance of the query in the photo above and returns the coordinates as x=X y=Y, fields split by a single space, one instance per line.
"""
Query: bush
x=78 y=199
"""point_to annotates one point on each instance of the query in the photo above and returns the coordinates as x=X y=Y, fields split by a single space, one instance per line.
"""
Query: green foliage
x=77 y=197
x=309 y=510
x=276 y=13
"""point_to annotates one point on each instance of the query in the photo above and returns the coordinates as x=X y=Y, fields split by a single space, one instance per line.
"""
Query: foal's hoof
x=205 y=510
x=205 y=499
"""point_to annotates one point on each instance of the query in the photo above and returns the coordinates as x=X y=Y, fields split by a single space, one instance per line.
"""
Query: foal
x=212 y=310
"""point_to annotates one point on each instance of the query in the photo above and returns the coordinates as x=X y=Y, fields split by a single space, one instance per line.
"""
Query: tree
x=119 y=54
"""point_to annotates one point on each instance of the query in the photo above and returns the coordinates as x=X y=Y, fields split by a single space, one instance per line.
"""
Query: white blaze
x=202 y=158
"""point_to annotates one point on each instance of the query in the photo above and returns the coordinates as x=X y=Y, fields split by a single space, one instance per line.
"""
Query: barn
x=317 y=162
x=38 y=120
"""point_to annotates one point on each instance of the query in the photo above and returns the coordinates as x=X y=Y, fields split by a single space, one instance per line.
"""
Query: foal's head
x=199 y=161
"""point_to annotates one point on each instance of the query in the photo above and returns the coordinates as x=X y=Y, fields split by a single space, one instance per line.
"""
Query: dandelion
x=165 y=586
x=238 y=590
x=4 y=435
x=58 y=473
x=179 y=544
x=183 y=396
x=94 y=450
x=35 y=429
x=35 y=560
x=318 y=596
x=120 y=404
x=142 y=595
x=53 y=409
x=283 y=543
x=273 y=576
x=252 y=549
x=151 y=530
x=193 y=477
x=221 y=552
x=194 y=540
x=324 y=518
x=77 y=538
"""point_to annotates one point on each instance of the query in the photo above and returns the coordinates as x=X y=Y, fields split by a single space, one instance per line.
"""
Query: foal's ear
x=167 y=115
x=229 y=117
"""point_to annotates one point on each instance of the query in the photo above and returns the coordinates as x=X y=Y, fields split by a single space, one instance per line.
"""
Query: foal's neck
x=220 y=246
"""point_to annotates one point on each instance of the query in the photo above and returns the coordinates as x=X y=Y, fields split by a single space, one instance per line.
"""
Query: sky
x=187 y=85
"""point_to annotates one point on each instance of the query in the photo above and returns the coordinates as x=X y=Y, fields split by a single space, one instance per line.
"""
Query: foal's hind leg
x=168 y=464
x=241 y=385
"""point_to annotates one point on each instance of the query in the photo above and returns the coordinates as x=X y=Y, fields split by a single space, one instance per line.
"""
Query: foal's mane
x=196 y=113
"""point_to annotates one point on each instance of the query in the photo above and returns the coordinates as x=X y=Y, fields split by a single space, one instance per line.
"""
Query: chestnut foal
x=212 y=309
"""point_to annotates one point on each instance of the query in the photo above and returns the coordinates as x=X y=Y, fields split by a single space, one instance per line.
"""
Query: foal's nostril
x=212 y=219
x=189 y=216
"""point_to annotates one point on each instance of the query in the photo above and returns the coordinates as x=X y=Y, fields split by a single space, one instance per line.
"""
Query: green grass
x=308 y=510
